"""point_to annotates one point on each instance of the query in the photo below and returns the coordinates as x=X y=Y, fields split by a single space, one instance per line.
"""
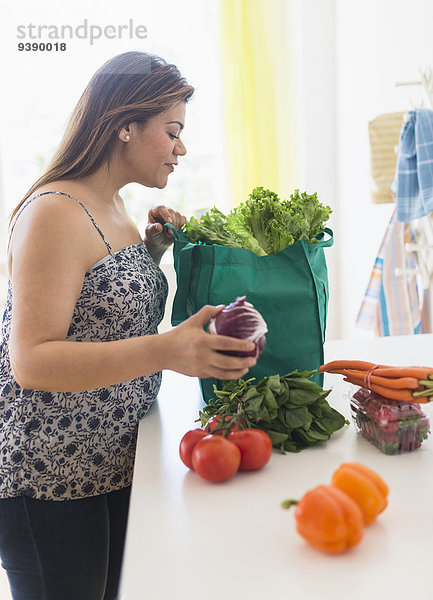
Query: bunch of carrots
x=406 y=384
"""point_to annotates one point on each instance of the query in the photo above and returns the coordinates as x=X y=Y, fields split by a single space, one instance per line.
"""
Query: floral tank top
x=66 y=445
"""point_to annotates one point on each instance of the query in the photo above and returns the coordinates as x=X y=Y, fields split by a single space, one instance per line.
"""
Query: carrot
x=389 y=393
x=406 y=384
x=410 y=383
x=379 y=370
x=418 y=372
x=346 y=364
x=424 y=393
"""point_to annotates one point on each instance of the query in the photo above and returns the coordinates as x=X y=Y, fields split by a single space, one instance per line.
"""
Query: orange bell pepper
x=364 y=486
x=328 y=519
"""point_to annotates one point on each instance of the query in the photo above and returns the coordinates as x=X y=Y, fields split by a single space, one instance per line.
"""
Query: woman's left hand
x=157 y=239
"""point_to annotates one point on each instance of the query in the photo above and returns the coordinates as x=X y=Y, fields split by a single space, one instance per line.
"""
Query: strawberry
x=387 y=419
x=388 y=442
x=409 y=440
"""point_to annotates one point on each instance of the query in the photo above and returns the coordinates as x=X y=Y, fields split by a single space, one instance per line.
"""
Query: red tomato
x=187 y=445
x=216 y=459
x=255 y=446
x=217 y=421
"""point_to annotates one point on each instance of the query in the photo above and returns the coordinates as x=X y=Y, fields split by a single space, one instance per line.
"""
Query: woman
x=81 y=357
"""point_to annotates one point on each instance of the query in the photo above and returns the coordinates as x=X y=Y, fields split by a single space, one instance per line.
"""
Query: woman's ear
x=124 y=134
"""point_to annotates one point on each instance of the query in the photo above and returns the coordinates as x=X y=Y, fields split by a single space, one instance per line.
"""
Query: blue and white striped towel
x=391 y=305
x=413 y=182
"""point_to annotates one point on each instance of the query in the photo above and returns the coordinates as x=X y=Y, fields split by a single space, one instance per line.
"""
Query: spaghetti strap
x=110 y=250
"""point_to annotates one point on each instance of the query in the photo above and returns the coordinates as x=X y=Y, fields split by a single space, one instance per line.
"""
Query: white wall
x=352 y=53
x=313 y=25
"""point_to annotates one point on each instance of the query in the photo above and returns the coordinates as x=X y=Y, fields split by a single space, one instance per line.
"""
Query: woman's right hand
x=194 y=352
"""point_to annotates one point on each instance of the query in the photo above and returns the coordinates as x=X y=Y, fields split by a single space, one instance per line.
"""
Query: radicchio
x=241 y=320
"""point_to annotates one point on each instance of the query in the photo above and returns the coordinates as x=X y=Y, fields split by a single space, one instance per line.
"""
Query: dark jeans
x=66 y=549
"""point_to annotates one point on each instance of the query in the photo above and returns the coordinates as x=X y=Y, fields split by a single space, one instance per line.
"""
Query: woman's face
x=152 y=150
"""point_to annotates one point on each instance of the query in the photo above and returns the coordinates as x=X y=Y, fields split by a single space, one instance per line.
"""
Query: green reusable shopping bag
x=289 y=288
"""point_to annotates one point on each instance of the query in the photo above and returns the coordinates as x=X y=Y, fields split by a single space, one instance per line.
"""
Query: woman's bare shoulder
x=50 y=219
x=61 y=191
x=45 y=206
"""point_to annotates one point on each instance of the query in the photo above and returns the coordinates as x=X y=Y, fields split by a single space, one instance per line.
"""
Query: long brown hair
x=133 y=86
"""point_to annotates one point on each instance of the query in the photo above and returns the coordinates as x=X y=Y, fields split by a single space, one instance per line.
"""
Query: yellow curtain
x=259 y=97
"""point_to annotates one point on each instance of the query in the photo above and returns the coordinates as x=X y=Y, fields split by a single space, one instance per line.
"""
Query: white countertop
x=191 y=539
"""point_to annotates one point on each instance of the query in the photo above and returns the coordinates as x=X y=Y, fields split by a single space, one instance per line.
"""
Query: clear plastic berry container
x=390 y=425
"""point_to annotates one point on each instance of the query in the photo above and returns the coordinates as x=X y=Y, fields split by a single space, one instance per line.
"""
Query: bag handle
x=169 y=227
x=328 y=242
